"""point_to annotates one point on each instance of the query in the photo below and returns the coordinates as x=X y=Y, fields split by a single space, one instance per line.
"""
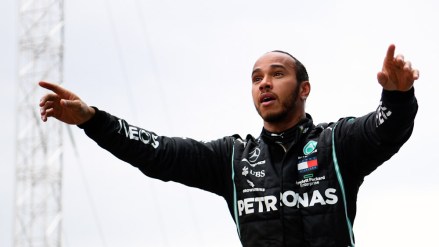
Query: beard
x=287 y=108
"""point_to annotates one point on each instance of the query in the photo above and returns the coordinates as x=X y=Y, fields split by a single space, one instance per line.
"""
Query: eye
x=278 y=74
x=256 y=79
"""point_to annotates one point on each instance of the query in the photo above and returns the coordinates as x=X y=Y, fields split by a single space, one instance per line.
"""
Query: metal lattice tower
x=38 y=207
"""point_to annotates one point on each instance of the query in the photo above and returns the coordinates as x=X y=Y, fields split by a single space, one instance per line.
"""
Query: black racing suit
x=296 y=188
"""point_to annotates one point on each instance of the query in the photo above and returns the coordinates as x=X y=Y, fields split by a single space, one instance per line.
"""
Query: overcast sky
x=182 y=68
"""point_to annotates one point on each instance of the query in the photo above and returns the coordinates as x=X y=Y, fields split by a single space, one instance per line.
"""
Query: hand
x=64 y=105
x=397 y=74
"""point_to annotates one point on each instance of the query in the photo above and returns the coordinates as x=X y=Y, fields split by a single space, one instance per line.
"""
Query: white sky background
x=182 y=68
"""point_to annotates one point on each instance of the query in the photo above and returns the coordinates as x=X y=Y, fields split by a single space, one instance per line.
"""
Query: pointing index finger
x=53 y=87
x=390 y=53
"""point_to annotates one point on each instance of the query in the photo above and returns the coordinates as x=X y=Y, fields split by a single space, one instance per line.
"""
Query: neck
x=281 y=126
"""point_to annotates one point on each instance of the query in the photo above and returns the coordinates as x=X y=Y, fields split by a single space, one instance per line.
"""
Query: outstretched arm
x=366 y=142
x=396 y=74
x=64 y=105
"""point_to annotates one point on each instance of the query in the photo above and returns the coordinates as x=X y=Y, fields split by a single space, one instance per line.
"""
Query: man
x=294 y=185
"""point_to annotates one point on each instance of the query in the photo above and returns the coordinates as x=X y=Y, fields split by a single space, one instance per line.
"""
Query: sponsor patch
x=306 y=165
x=309 y=147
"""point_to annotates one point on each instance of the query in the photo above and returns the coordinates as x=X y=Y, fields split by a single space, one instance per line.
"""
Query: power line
x=134 y=111
x=160 y=90
x=87 y=188
x=154 y=69
x=120 y=59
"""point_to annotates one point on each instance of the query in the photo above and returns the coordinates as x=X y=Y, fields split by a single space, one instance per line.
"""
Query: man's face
x=275 y=89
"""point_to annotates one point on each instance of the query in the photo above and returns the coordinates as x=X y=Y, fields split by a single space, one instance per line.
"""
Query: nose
x=265 y=84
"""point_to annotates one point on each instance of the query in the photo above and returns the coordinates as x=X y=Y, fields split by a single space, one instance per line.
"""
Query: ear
x=305 y=89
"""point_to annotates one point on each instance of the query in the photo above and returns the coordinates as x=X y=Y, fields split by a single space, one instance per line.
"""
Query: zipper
x=282 y=188
x=284 y=148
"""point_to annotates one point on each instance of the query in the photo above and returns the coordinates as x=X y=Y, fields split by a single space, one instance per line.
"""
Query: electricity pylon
x=39 y=152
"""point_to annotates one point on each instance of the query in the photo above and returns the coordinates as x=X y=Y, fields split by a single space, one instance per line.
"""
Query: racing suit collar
x=290 y=135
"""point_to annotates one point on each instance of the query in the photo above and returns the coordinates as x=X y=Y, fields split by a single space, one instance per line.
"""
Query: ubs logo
x=258 y=174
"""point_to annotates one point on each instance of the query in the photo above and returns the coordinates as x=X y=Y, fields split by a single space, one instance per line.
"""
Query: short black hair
x=301 y=73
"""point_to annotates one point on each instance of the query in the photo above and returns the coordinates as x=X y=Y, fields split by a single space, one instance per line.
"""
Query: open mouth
x=266 y=98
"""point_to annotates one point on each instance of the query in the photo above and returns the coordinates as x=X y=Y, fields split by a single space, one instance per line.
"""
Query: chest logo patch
x=309 y=147
x=254 y=155
x=306 y=165
x=253 y=158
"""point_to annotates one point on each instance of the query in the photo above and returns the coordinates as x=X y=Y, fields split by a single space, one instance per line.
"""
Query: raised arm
x=64 y=105
x=366 y=142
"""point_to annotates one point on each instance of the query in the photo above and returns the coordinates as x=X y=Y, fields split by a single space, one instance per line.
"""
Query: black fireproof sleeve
x=364 y=143
x=204 y=165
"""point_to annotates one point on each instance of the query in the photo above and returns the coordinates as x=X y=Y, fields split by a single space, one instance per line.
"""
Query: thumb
x=70 y=103
x=382 y=78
